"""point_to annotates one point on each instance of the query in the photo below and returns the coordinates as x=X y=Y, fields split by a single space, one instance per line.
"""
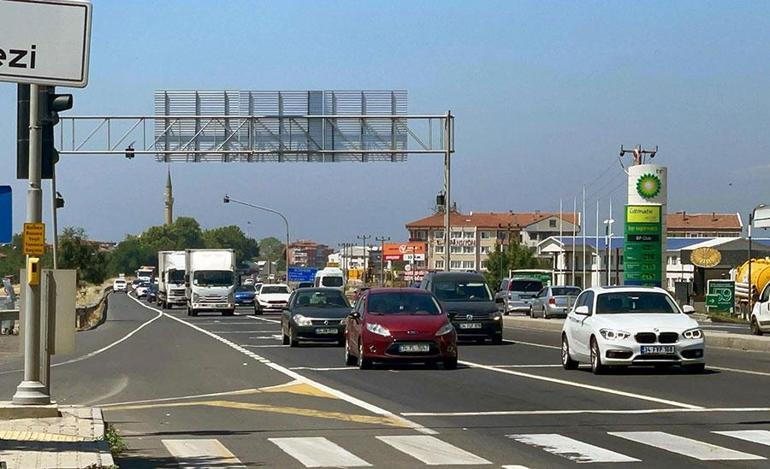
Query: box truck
x=171 y=285
x=210 y=281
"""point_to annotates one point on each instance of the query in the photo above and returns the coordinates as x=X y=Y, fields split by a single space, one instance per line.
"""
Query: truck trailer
x=171 y=276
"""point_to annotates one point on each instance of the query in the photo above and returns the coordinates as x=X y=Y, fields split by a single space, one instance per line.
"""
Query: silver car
x=553 y=301
x=515 y=295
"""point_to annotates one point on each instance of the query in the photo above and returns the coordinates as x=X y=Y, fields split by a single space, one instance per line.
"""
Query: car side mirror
x=355 y=315
x=688 y=309
x=582 y=310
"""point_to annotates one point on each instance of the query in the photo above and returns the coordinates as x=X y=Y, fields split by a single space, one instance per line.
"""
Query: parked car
x=515 y=294
x=244 y=295
x=399 y=324
x=553 y=302
x=120 y=285
x=273 y=297
x=624 y=326
x=141 y=289
x=151 y=295
x=760 y=314
x=316 y=314
x=305 y=285
x=468 y=301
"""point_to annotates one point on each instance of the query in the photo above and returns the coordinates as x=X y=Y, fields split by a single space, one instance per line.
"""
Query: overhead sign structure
x=720 y=295
x=762 y=217
x=413 y=250
x=302 y=274
x=643 y=250
x=45 y=43
x=34 y=239
x=6 y=214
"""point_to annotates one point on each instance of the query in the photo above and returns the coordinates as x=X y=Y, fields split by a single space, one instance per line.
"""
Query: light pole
x=366 y=256
x=382 y=240
x=751 y=290
x=608 y=239
x=229 y=199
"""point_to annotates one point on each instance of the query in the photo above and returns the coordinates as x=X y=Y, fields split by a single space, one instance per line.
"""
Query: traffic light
x=59 y=200
x=49 y=106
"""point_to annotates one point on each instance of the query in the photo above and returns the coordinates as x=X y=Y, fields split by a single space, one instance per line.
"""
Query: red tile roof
x=684 y=221
x=487 y=219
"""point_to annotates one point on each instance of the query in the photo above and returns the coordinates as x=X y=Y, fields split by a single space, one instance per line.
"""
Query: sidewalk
x=74 y=440
x=9 y=348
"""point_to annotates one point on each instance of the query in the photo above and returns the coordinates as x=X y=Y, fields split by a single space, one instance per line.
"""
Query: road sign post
x=720 y=296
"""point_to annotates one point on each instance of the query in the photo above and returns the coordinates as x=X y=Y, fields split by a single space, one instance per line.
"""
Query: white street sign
x=45 y=42
x=762 y=217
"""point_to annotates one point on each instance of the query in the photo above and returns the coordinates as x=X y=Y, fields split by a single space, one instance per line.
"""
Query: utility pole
x=382 y=240
x=639 y=153
x=508 y=227
x=448 y=138
x=366 y=256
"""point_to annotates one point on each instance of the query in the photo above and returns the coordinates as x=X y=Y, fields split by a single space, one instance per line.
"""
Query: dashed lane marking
x=318 y=452
x=432 y=451
x=201 y=453
x=493 y=413
x=571 y=449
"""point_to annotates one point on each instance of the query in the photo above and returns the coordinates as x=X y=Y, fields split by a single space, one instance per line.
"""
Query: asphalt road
x=223 y=392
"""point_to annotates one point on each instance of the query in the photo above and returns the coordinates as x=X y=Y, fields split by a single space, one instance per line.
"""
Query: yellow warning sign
x=34 y=239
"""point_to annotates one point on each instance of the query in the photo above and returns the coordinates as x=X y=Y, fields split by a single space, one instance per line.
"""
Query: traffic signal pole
x=31 y=390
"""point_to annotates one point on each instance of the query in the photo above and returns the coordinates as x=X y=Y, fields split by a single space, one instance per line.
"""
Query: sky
x=544 y=94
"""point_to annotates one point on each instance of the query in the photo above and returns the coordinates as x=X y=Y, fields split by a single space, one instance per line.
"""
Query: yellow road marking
x=300 y=388
x=314 y=413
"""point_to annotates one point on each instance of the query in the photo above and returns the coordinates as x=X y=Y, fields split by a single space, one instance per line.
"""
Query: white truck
x=171 y=284
x=210 y=281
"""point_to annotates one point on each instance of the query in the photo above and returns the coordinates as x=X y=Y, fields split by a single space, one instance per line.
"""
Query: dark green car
x=315 y=314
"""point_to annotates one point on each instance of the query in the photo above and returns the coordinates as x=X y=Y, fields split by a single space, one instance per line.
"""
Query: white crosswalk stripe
x=755 y=436
x=431 y=450
x=318 y=452
x=686 y=446
x=571 y=449
x=202 y=453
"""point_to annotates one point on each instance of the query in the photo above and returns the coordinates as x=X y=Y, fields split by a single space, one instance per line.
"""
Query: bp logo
x=648 y=186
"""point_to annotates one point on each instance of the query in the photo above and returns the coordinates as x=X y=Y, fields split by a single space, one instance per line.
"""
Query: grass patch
x=726 y=318
x=113 y=438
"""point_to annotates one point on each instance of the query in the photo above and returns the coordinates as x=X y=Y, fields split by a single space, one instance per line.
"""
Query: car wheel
x=695 y=369
x=545 y=313
x=285 y=338
x=293 y=342
x=363 y=362
x=350 y=359
x=531 y=312
x=497 y=340
x=755 y=326
x=597 y=367
x=257 y=310
x=566 y=360
x=450 y=363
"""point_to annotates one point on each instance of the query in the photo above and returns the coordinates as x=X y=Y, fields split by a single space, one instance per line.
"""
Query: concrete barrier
x=750 y=343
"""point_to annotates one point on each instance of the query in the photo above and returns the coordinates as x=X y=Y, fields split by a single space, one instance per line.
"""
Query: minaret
x=169 y=204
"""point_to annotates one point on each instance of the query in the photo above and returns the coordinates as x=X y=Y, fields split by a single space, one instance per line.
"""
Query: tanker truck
x=759 y=316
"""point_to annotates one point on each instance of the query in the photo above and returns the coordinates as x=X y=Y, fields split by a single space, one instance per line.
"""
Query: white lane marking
x=515 y=467
x=431 y=450
x=264 y=346
x=274 y=321
x=685 y=446
x=318 y=452
x=583 y=386
x=105 y=348
x=532 y=344
x=310 y=368
x=738 y=370
x=571 y=449
x=117 y=389
x=761 y=437
x=183 y=398
x=586 y=411
x=293 y=374
x=201 y=453
x=266 y=337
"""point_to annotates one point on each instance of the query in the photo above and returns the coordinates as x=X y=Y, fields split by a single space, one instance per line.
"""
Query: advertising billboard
x=404 y=251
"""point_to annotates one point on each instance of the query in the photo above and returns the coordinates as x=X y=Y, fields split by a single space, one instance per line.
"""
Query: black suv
x=468 y=301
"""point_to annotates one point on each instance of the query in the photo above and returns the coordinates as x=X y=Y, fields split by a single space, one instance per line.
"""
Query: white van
x=331 y=277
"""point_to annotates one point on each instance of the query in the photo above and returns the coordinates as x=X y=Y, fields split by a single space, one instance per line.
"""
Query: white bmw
x=626 y=326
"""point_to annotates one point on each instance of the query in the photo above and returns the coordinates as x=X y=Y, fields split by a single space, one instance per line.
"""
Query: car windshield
x=274 y=289
x=635 y=303
x=533 y=286
x=462 y=290
x=321 y=299
x=213 y=278
x=331 y=281
x=176 y=276
x=403 y=303
x=565 y=291
x=246 y=288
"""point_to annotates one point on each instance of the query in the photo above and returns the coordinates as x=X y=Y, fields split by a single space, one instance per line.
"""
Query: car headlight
x=377 y=329
x=196 y=297
x=693 y=334
x=302 y=320
x=445 y=329
x=612 y=334
x=342 y=322
x=496 y=316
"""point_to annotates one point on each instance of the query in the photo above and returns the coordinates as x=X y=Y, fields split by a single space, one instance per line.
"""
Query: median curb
x=748 y=343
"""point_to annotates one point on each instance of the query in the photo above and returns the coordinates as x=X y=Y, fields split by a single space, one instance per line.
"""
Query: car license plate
x=326 y=331
x=657 y=349
x=470 y=325
x=405 y=348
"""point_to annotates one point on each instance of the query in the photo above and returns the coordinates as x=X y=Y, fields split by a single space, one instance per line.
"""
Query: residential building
x=704 y=225
x=308 y=254
x=474 y=235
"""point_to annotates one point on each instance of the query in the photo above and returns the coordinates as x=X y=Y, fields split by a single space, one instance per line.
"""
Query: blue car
x=244 y=295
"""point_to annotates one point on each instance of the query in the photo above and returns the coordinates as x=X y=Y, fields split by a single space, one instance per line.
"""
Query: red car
x=399 y=324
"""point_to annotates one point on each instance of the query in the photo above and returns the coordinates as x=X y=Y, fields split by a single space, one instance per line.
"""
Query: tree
x=274 y=250
x=12 y=258
x=232 y=237
x=514 y=256
x=77 y=252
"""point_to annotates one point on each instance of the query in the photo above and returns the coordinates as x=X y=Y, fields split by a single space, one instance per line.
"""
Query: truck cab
x=210 y=281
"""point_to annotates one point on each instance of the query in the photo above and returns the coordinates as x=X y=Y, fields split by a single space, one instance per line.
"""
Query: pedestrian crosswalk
x=372 y=451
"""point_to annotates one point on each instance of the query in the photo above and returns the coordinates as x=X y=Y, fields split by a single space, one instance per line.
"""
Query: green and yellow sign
x=643 y=249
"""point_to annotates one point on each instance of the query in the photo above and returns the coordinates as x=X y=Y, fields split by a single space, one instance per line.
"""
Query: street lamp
x=229 y=199
x=751 y=290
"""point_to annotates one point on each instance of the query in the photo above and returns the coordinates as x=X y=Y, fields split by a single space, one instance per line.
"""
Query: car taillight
x=552 y=301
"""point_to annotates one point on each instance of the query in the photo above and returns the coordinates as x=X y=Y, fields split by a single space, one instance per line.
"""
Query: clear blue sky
x=544 y=94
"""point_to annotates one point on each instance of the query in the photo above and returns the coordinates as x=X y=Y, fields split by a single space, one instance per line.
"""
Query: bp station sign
x=643 y=250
